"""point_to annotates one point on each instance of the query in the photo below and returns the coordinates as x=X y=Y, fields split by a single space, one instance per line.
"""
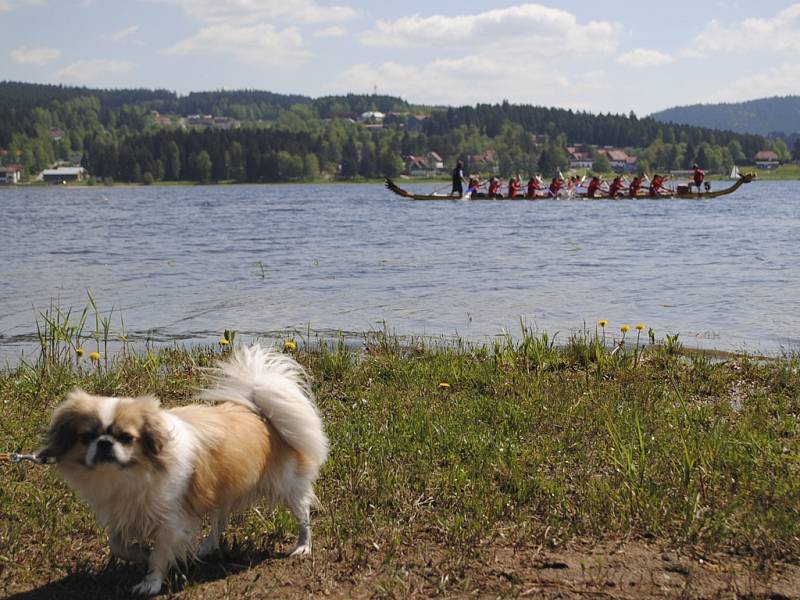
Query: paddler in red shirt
x=594 y=187
x=634 y=187
x=494 y=188
x=533 y=187
x=555 y=186
x=656 y=185
x=615 y=188
x=513 y=187
x=698 y=177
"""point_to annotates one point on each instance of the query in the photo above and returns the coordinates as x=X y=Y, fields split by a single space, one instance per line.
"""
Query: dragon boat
x=680 y=192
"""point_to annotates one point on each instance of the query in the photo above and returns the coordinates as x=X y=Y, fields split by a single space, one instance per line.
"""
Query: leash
x=14 y=457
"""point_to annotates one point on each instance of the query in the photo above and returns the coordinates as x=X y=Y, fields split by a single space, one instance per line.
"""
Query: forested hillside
x=766 y=116
x=249 y=135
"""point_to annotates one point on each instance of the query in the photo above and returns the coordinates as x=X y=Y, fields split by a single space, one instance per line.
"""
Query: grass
x=457 y=444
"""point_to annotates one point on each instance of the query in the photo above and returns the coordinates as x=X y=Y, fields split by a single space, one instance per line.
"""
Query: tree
x=310 y=166
x=349 y=158
x=201 y=166
x=172 y=170
x=796 y=148
x=600 y=162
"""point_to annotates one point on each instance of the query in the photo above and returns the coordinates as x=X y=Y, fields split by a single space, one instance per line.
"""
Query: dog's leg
x=210 y=544
x=124 y=551
x=171 y=543
x=301 y=509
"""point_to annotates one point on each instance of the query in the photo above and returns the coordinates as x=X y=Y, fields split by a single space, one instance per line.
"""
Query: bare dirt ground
x=580 y=569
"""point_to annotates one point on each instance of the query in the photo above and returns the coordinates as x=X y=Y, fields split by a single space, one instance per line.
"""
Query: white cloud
x=122 y=34
x=642 y=58
x=475 y=78
x=331 y=32
x=531 y=29
x=35 y=56
x=253 y=11
x=782 y=80
x=87 y=71
x=9 y=5
x=258 y=44
x=778 y=34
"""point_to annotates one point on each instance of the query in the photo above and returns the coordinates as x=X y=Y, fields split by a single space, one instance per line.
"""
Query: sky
x=610 y=56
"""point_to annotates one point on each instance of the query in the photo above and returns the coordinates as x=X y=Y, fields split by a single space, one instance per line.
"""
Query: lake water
x=187 y=262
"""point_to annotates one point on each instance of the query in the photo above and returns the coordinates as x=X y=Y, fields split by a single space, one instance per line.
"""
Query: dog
x=152 y=476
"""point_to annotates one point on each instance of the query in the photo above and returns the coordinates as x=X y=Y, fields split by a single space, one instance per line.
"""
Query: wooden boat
x=681 y=192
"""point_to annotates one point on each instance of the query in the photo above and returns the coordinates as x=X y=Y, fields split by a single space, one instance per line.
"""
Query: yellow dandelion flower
x=290 y=345
x=79 y=352
x=223 y=342
x=639 y=326
x=444 y=386
x=94 y=356
x=625 y=328
x=602 y=323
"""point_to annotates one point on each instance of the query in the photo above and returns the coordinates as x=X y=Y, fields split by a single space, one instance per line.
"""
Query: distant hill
x=780 y=114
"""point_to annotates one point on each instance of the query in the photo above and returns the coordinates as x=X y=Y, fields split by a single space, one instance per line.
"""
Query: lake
x=185 y=263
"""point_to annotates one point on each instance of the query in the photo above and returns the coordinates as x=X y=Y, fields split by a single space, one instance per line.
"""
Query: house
x=372 y=117
x=485 y=162
x=767 y=159
x=64 y=174
x=10 y=174
x=435 y=161
x=619 y=159
x=56 y=134
x=417 y=166
x=579 y=158
x=416 y=122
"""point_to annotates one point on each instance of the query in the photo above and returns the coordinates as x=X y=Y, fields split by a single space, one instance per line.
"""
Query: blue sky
x=608 y=56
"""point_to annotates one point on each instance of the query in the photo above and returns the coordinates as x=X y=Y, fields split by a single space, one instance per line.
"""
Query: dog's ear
x=154 y=432
x=62 y=434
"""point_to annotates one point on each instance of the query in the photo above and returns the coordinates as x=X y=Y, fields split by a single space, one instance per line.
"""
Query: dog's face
x=95 y=431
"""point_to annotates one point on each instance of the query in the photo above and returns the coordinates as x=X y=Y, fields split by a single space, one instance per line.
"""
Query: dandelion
x=224 y=342
x=639 y=326
x=602 y=323
x=289 y=346
x=94 y=356
x=444 y=386
x=79 y=352
x=625 y=328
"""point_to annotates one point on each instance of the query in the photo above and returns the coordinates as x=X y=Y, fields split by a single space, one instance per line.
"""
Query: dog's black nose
x=104 y=445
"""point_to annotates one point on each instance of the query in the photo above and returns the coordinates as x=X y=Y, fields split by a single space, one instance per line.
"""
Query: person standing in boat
x=698 y=177
x=458 y=179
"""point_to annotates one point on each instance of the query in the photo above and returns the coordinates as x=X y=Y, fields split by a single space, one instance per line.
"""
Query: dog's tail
x=276 y=386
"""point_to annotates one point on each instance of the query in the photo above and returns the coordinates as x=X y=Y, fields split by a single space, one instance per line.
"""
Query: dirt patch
x=581 y=569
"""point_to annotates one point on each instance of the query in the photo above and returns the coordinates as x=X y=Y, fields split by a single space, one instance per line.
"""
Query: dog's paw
x=147 y=587
x=301 y=550
x=208 y=547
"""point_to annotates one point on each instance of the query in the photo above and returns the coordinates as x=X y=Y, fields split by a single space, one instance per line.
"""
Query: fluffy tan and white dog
x=151 y=475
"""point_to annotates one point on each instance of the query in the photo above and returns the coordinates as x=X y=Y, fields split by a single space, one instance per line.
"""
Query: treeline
x=115 y=135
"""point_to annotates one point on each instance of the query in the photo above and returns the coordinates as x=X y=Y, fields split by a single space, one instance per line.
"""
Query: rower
x=594 y=187
x=473 y=186
x=635 y=186
x=458 y=179
x=494 y=188
x=555 y=186
x=513 y=186
x=534 y=183
x=656 y=185
x=615 y=187
x=697 y=177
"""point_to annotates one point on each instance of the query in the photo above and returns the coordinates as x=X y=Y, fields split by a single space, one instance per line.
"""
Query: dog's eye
x=86 y=437
x=125 y=438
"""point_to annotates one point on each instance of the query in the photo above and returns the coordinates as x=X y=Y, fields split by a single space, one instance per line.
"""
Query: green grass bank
x=453 y=446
